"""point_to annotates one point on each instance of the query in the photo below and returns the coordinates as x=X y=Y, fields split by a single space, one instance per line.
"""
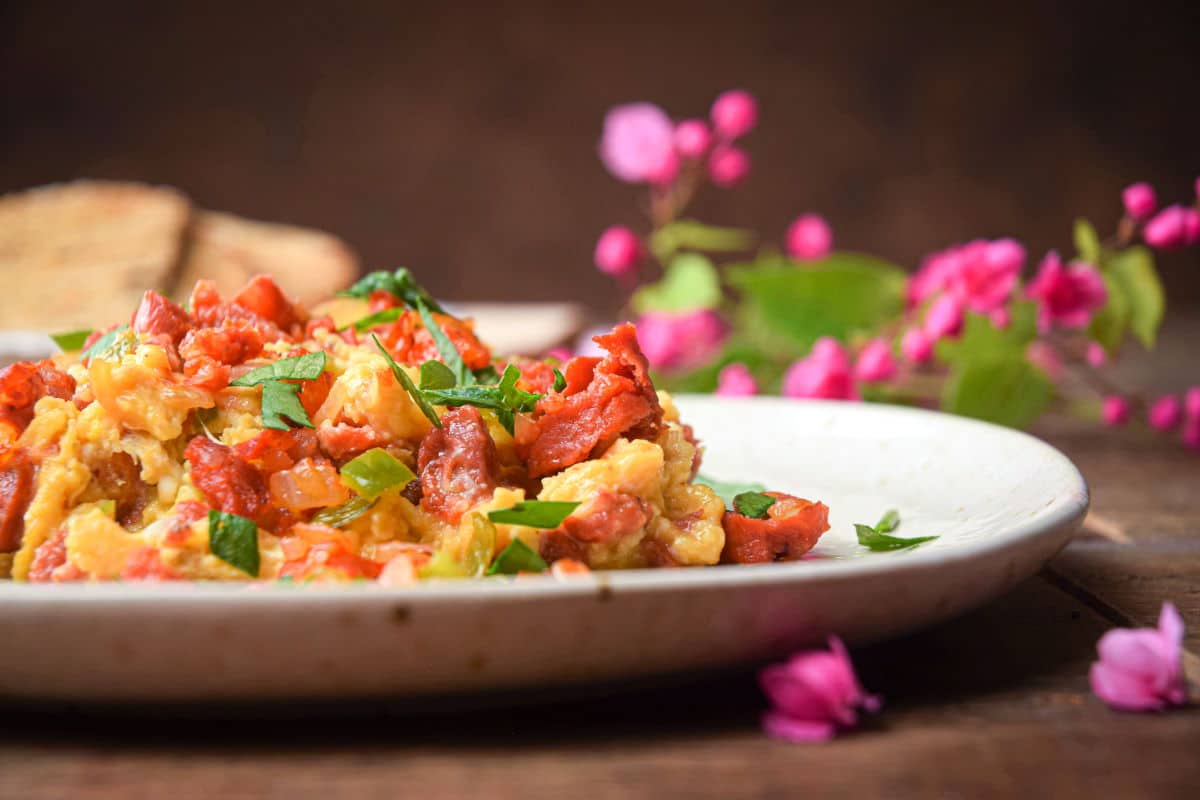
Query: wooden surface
x=994 y=704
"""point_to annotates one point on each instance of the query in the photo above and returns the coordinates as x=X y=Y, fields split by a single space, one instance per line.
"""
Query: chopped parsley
x=402 y=378
x=374 y=472
x=517 y=557
x=560 y=381
x=234 y=540
x=70 y=341
x=280 y=400
x=544 y=514
x=400 y=284
x=753 y=504
x=104 y=342
x=878 y=538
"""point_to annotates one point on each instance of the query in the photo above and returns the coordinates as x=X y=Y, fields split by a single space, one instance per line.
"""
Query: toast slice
x=80 y=254
x=309 y=265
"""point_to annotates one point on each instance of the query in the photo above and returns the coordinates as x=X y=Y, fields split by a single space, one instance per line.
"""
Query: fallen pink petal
x=814 y=695
x=1141 y=669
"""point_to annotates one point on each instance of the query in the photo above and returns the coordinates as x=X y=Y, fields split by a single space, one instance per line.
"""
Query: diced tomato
x=158 y=316
x=309 y=483
x=568 y=567
x=228 y=481
x=314 y=392
x=24 y=383
x=617 y=399
x=325 y=323
x=182 y=517
x=232 y=343
x=410 y=343
x=264 y=297
x=792 y=528
x=381 y=300
x=146 y=564
x=343 y=442
x=536 y=376
x=457 y=463
x=273 y=450
x=329 y=556
x=16 y=490
x=50 y=561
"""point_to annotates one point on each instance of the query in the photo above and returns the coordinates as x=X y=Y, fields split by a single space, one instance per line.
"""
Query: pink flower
x=809 y=238
x=1169 y=229
x=822 y=374
x=1191 y=402
x=932 y=277
x=692 y=138
x=1142 y=669
x=734 y=114
x=1140 y=200
x=1116 y=410
x=944 y=318
x=1045 y=357
x=1096 y=355
x=814 y=694
x=1191 y=433
x=1191 y=226
x=638 y=144
x=916 y=346
x=875 y=362
x=618 y=251
x=728 y=166
x=1066 y=296
x=562 y=354
x=680 y=341
x=986 y=273
x=1165 y=413
x=735 y=380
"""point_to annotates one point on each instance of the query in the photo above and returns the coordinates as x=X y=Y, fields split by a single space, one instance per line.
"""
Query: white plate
x=1002 y=502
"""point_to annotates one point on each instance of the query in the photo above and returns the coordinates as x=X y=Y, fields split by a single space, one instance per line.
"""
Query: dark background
x=460 y=139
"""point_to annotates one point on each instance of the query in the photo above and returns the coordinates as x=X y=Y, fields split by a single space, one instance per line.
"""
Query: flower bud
x=916 y=346
x=1165 y=413
x=875 y=362
x=735 y=380
x=1116 y=410
x=1139 y=200
x=1096 y=355
x=692 y=138
x=809 y=238
x=618 y=251
x=945 y=317
x=1168 y=229
x=734 y=114
x=728 y=166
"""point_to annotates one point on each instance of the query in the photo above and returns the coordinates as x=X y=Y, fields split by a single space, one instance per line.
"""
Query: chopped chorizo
x=536 y=376
x=274 y=450
x=264 y=297
x=16 y=490
x=457 y=463
x=608 y=517
x=343 y=442
x=792 y=527
x=410 y=343
x=228 y=481
x=24 y=383
x=120 y=480
x=158 y=316
x=603 y=400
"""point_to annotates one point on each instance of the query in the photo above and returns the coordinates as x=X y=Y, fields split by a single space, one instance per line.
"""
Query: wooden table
x=993 y=704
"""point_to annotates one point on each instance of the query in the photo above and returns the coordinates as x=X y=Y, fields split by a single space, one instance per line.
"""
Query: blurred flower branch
x=971 y=331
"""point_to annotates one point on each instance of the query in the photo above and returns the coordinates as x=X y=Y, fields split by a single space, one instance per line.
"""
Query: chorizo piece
x=457 y=464
x=791 y=528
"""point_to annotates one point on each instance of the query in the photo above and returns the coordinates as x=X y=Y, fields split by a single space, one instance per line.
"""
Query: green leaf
x=487 y=375
x=478 y=396
x=888 y=522
x=516 y=399
x=436 y=375
x=378 y=318
x=1087 y=243
x=1110 y=323
x=104 y=342
x=297 y=368
x=689 y=283
x=445 y=347
x=281 y=401
x=753 y=504
x=347 y=512
x=560 y=381
x=786 y=307
x=688 y=233
x=1007 y=390
x=234 y=540
x=402 y=378
x=534 y=513
x=71 y=341
x=517 y=557
x=872 y=539
x=981 y=339
x=372 y=473
x=480 y=547
x=727 y=490
x=1134 y=270
x=400 y=283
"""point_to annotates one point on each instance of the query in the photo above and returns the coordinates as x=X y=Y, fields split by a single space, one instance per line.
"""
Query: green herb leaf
x=71 y=341
x=104 y=342
x=888 y=522
x=1110 y=324
x=478 y=396
x=688 y=233
x=347 y=512
x=1007 y=390
x=378 y=318
x=872 y=539
x=560 y=381
x=1133 y=269
x=513 y=398
x=517 y=557
x=374 y=472
x=446 y=348
x=399 y=283
x=534 y=513
x=1087 y=243
x=487 y=375
x=234 y=540
x=727 y=490
x=982 y=340
x=689 y=283
x=436 y=375
x=753 y=504
x=297 y=368
x=402 y=378
x=281 y=401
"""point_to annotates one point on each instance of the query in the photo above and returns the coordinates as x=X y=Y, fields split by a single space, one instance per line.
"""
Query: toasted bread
x=81 y=254
x=308 y=264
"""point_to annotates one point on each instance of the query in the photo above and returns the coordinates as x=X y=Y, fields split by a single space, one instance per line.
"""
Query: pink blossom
x=875 y=362
x=1043 y=356
x=1191 y=226
x=809 y=238
x=1169 y=229
x=734 y=114
x=680 y=341
x=814 y=694
x=728 y=165
x=986 y=273
x=1191 y=402
x=822 y=374
x=562 y=354
x=1191 y=433
x=1096 y=355
x=916 y=346
x=944 y=318
x=1115 y=410
x=932 y=277
x=1066 y=296
x=692 y=138
x=1165 y=413
x=1001 y=318
x=1140 y=200
x=1142 y=669
x=638 y=144
x=735 y=380
x=618 y=251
